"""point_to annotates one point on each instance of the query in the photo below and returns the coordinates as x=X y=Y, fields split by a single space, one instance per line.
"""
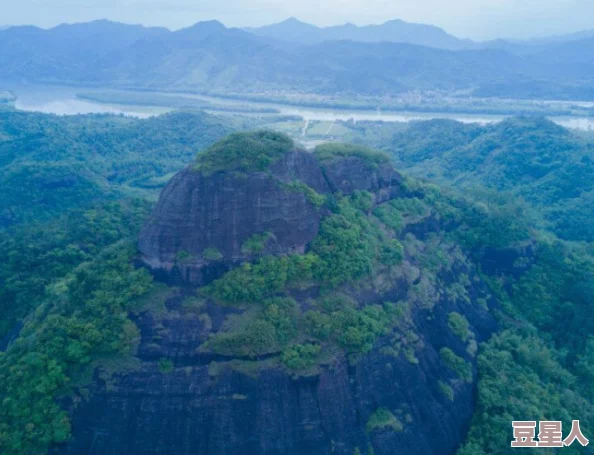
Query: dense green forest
x=72 y=186
x=530 y=174
x=75 y=191
x=527 y=159
x=50 y=163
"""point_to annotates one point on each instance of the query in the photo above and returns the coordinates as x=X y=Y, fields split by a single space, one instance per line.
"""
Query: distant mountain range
x=210 y=57
x=394 y=31
x=398 y=31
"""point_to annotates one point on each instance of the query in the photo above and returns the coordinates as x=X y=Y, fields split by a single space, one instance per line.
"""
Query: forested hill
x=388 y=281
x=50 y=163
x=72 y=186
x=210 y=57
x=550 y=167
x=388 y=286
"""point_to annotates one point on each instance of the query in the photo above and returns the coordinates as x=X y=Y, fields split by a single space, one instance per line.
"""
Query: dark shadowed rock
x=199 y=213
x=216 y=405
x=349 y=174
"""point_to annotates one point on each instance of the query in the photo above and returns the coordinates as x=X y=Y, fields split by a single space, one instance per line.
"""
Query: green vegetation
x=348 y=247
x=521 y=376
x=212 y=254
x=263 y=330
x=531 y=158
x=331 y=150
x=68 y=276
x=459 y=326
x=457 y=364
x=50 y=164
x=350 y=244
x=183 y=256
x=382 y=420
x=82 y=318
x=357 y=330
x=32 y=257
x=390 y=216
x=446 y=390
x=312 y=196
x=254 y=282
x=256 y=243
x=244 y=152
x=301 y=356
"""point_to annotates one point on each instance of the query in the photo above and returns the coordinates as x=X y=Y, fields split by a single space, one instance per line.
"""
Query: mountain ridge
x=396 y=31
x=209 y=57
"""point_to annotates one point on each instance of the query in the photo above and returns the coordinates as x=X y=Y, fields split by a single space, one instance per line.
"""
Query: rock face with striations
x=218 y=212
x=370 y=363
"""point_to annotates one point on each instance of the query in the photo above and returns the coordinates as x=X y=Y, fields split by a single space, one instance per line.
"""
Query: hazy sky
x=478 y=19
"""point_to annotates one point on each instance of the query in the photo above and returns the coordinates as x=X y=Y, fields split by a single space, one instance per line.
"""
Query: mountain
x=395 y=31
x=288 y=295
x=290 y=30
x=584 y=34
x=209 y=57
x=278 y=300
x=64 y=53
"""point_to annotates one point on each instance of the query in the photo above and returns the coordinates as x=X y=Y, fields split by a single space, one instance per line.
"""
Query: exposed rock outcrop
x=218 y=213
x=176 y=396
x=213 y=405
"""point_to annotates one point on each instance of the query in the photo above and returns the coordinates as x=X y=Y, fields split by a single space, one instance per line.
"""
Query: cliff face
x=178 y=395
x=218 y=213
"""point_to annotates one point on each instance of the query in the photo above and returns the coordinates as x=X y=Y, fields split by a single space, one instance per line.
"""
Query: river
x=63 y=101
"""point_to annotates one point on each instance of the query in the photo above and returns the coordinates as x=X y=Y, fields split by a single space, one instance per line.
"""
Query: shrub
x=390 y=216
x=212 y=254
x=457 y=364
x=183 y=256
x=256 y=338
x=382 y=420
x=459 y=326
x=312 y=196
x=357 y=330
x=301 y=356
x=256 y=243
x=446 y=390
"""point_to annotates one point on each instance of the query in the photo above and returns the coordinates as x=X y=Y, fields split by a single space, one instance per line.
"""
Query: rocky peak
x=364 y=344
x=252 y=194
